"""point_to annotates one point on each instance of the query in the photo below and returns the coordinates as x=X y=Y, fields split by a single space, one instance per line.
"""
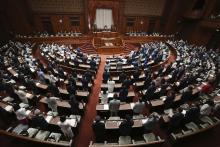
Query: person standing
x=138 y=107
x=114 y=106
x=111 y=85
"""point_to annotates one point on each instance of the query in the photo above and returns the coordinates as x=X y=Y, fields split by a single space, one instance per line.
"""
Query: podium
x=108 y=42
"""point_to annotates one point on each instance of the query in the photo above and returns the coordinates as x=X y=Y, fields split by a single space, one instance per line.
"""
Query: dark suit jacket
x=125 y=128
x=123 y=94
x=99 y=131
x=176 y=120
x=39 y=121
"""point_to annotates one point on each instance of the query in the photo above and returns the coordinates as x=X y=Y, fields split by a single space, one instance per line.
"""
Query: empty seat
x=20 y=128
x=42 y=135
x=192 y=126
x=123 y=140
x=150 y=137
x=32 y=132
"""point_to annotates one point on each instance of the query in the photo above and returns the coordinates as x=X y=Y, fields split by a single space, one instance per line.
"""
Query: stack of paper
x=9 y=108
x=132 y=105
x=27 y=112
x=8 y=99
x=110 y=95
x=144 y=120
x=71 y=122
x=48 y=118
x=106 y=107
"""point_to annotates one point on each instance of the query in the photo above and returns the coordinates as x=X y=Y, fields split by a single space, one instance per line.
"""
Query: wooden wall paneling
x=86 y=17
x=121 y=21
x=16 y=18
x=200 y=35
x=60 y=22
x=176 y=12
x=157 y=25
x=38 y=27
x=211 y=6
x=144 y=7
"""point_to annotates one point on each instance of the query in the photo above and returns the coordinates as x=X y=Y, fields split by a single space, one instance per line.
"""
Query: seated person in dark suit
x=136 y=75
x=126 y=82
x=74 y=74
x=8 y=117
x=168 y=69
x=164 y=85
x=122 y=77
x=168 y=102
x=183 y=82
x=160 y=71
x=61 y=73
x=74 y=105
x=72 y=80
x=76 y=62
x=150 y=92
x=99 y=130
x=21 y=79
x=11 y=92
x=93 y=64
x=88 y=75
x=151 y=123
x=187 y=94
x=192 y=114
x=123 y=94
x=85 y=83
x=71 y=89
x=54 y=89
x=147 y=81
x=38 y=120
x=125 y=128
x=177 y=120
x=31 y=85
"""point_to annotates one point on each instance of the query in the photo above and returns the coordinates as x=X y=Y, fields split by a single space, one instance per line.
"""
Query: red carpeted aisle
x=85 y=130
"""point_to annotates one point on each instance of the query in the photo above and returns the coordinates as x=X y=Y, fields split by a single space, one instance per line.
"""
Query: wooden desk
x=63 y=103
x=123 y=107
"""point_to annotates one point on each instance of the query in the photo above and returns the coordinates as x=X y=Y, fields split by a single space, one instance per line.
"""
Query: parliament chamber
x=102 y=73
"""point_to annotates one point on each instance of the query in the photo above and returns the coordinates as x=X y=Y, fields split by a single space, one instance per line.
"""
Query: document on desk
x=110 y=95
x=48 y=118
x=7 y=99
x=132 y=105
x=28 y=95
x=9 y=108
x=106 y=107
x=144 y=120
x=28 y=112
x=184 y=112
x=71 y=122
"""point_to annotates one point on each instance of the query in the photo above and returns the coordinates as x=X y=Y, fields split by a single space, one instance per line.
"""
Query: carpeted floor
x=85 y=130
